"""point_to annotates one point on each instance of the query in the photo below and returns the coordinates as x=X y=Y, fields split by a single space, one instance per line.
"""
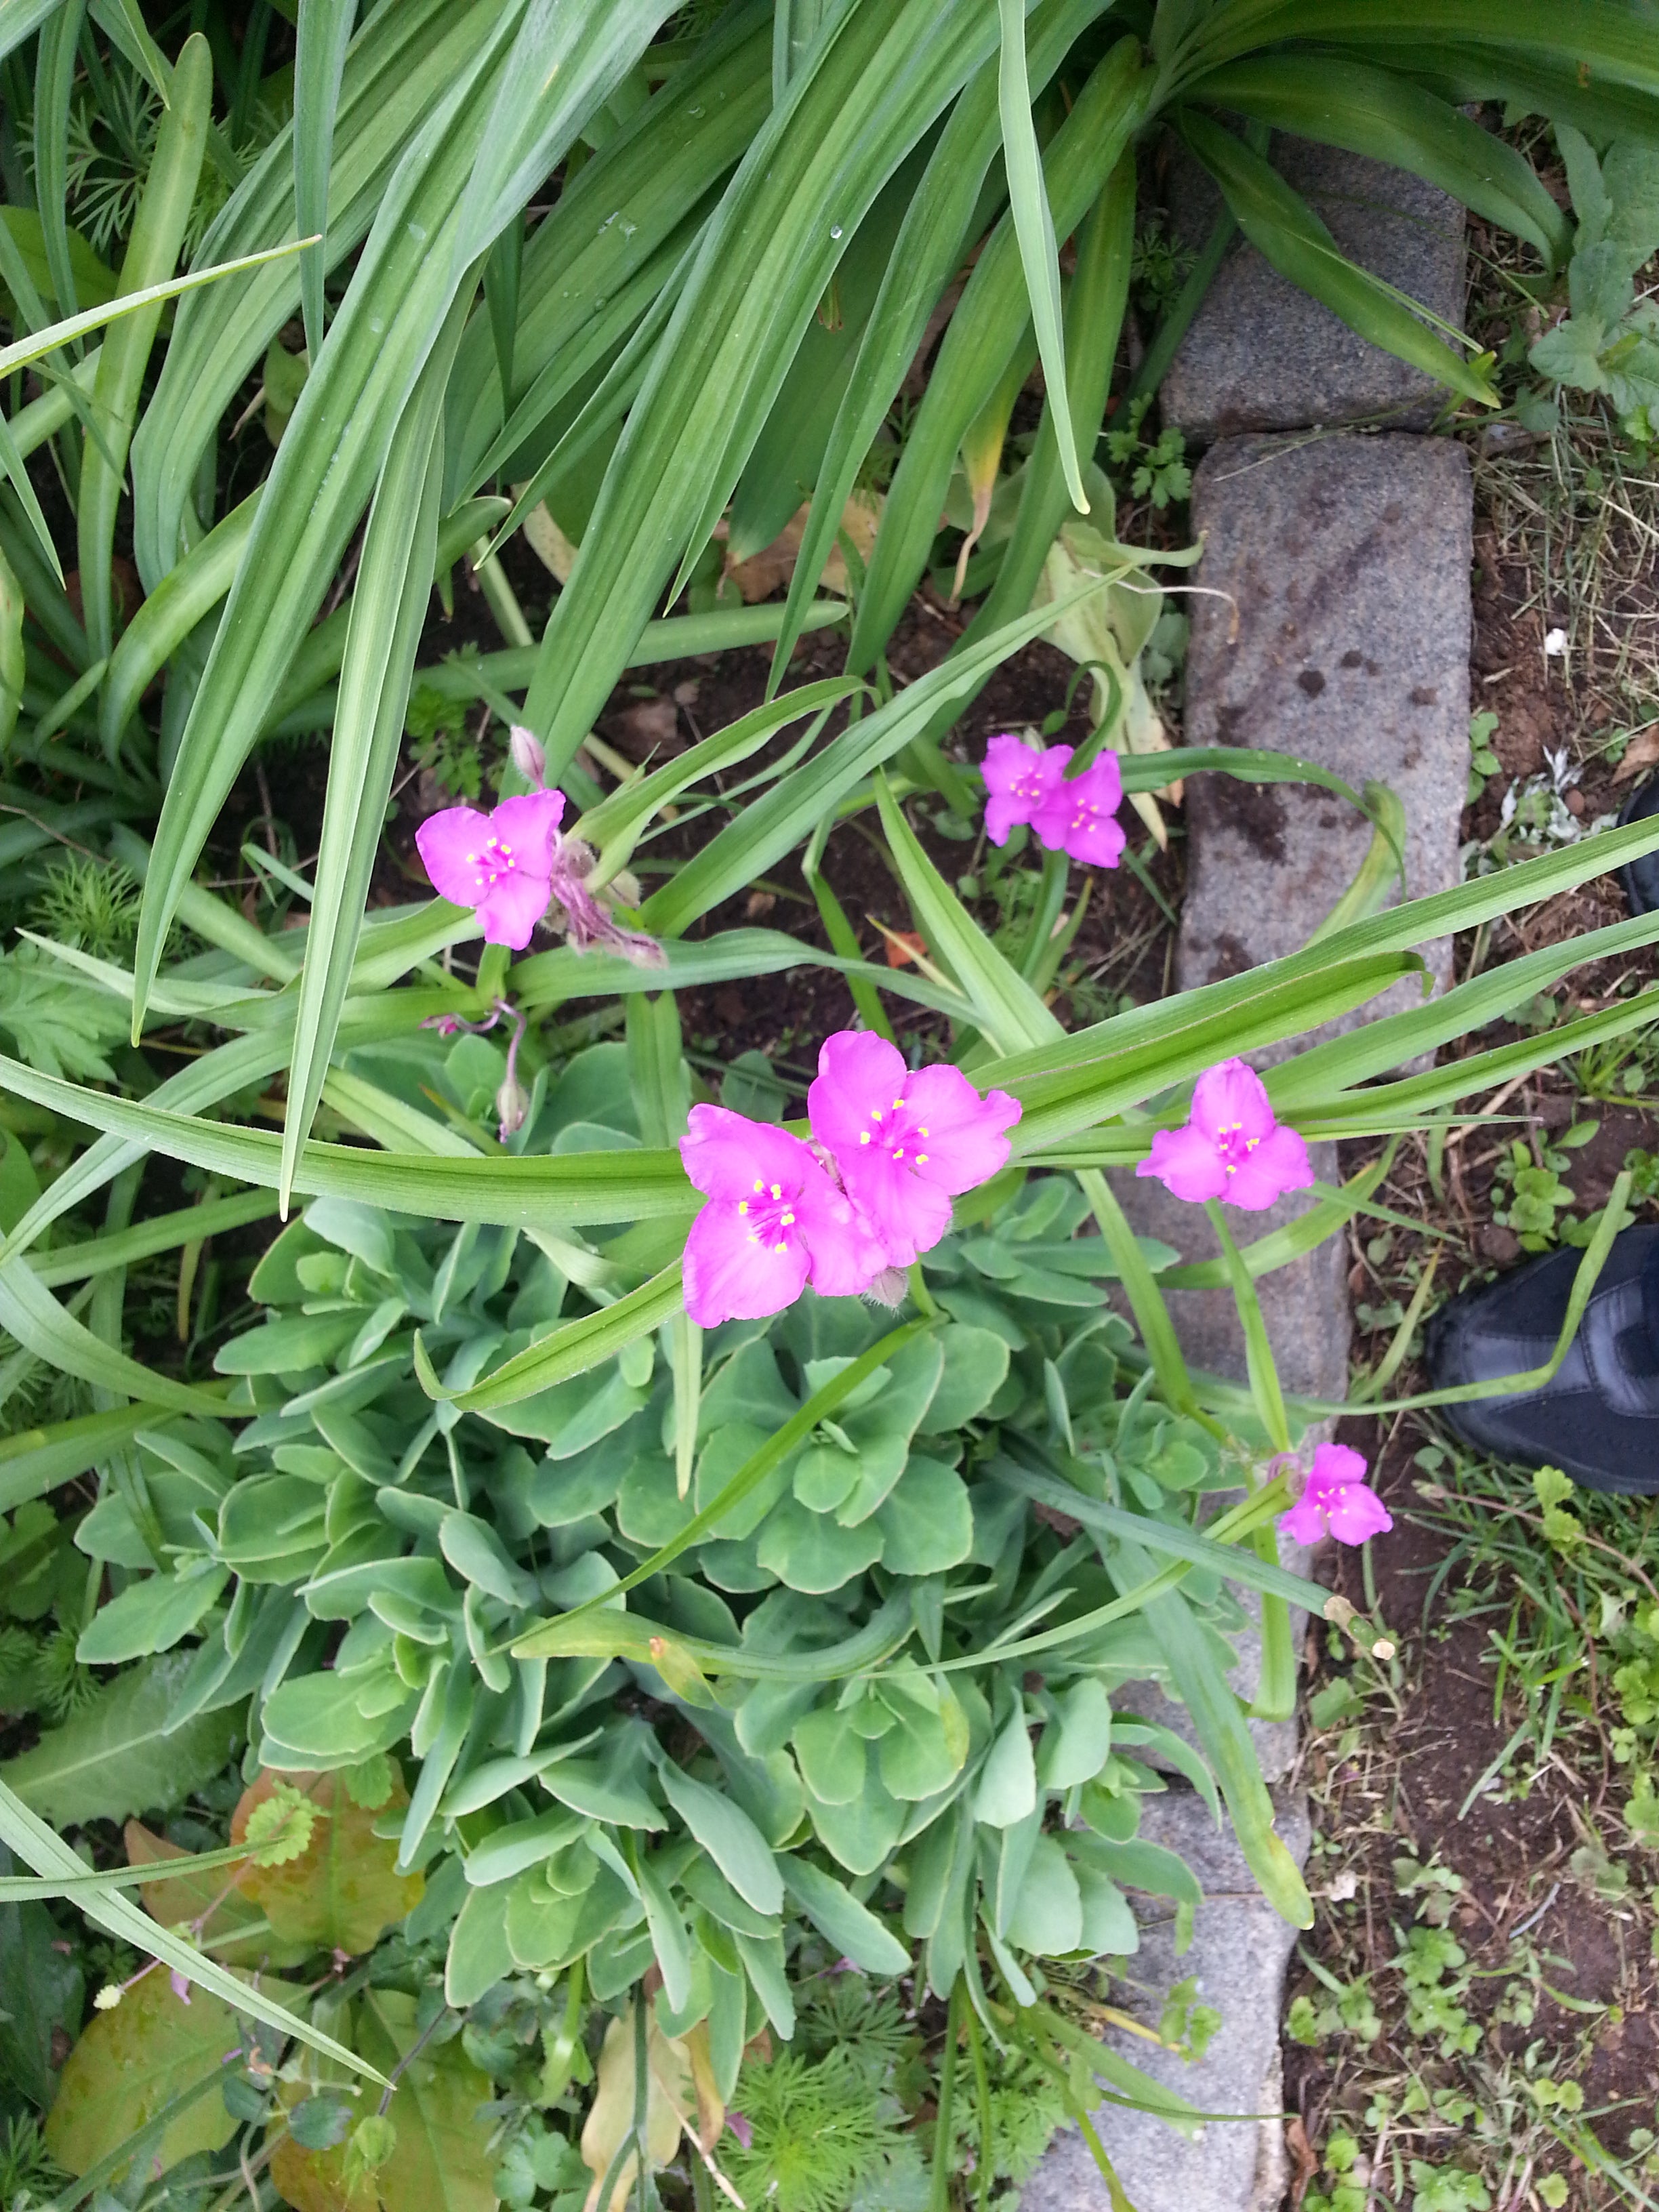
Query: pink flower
x=1232 y=1147
x=1336 y=1495
x=775 y=1220
x=500 y=863
x=741 y=2129
x=904 y=1143
x=1080 y=817
x=1018 y=782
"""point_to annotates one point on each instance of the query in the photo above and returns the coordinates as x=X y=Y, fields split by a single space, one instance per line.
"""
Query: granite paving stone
x=1238 y=1955
x=1333 y=625
x=1262 y=355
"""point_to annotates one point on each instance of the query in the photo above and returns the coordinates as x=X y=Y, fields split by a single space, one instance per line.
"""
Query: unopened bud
x=511 y=1104
x=528 y=756
x=889 y=1288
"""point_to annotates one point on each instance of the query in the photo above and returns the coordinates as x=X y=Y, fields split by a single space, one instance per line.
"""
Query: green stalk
x=1275 y=1696
x=938 y=2197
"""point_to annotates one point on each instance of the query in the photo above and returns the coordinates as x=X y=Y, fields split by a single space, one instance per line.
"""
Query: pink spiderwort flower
x=1018 y=782
x=1079 y=815
x=904 y=1143
x=1232 y=1147
x=775 y=1220
x=501 y=863
x=1336 y=1495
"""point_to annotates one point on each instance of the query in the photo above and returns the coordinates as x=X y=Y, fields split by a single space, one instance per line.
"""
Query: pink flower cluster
x=513 y=864
x=1336 y=1496
x=872 y=1190
x=1077 y=817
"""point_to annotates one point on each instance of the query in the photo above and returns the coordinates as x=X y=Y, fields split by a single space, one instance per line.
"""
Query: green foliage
x=1483 y=764
x=1609 y=342
x=90 y=905
x=1150 y=468
x=823 y=2137
x=560 y=1645
x=1529 y=1193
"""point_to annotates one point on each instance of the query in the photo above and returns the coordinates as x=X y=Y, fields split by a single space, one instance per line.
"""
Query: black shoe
x=1641 y=877
x=1598 y=1421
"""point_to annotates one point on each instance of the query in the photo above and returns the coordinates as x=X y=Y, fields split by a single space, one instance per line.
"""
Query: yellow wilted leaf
x=343 y=1891
x=672 y=2096
x=765 y=572
x=441 y=2160
x=215 y=1899
x=134 y=2058
x=1111 y=628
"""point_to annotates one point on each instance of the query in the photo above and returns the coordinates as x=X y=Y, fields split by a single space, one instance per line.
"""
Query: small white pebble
x=1555 y=643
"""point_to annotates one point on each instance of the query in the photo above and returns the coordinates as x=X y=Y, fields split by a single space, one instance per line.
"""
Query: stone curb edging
x=1338 y=631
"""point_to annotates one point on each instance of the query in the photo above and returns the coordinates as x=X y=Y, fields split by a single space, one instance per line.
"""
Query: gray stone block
x=1262 y=355
x=1340 y=634
x=1305 y=1306
x=1276 y=1742
x=1238 y=1954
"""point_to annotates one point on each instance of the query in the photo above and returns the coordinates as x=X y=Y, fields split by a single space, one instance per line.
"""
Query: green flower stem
x=939 y=2197
x=1275 y=1696
x=1145 y=1300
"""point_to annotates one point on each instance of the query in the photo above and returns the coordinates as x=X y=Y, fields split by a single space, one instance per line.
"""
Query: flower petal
x=1357 y=1514
x=1186 y=1163
x=527 y=827
x=730 y=1276
x=910 y=1216
x=448 y=844
x=512 y=907
x=957 y=1134
x=1304 y=1522
x=724 y=1153
x=846 y=1254
x=1231 y=1095
x=1002 y=814
x=859 y=1075
x=1334 y=1463
x=1100 y=843
x=1279 y=1163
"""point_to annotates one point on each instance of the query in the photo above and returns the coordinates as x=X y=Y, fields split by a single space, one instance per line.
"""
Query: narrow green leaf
x=24 y=351
x=54 y=80
x=388 y=611
x=925 y=257
x=1007 y=1009
x=571 y=1349
x=153 y=247
x=1376 y=111
x=323 y=33
x=1034 y=227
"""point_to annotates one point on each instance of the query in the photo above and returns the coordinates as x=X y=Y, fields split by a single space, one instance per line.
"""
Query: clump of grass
x=89 y=904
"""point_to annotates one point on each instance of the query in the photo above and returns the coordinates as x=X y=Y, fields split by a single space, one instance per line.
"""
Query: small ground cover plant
x=561 y=1618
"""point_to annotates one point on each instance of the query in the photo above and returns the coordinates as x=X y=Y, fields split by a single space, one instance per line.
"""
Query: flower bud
x=528 y=757
x=511 y=1104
